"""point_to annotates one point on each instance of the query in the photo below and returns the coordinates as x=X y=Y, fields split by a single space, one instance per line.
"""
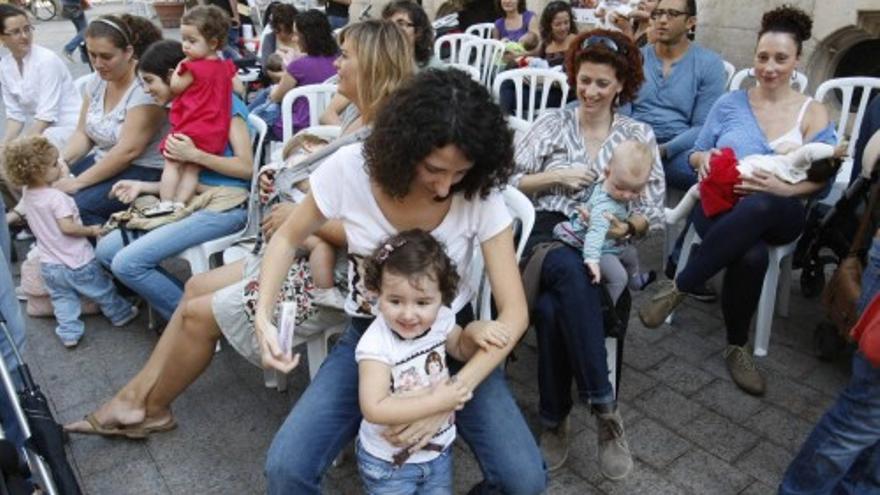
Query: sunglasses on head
x=603 y=41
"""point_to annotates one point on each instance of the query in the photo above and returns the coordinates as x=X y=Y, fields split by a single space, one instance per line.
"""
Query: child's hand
x=489 y=334
x=584 y=214
x=126 y=190
x=841 y=150
x=453 y=394
x=594 y=271
x=96 y=230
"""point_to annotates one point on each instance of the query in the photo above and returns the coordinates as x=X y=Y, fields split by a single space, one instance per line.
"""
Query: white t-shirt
x=415 y=364
x=341 y=188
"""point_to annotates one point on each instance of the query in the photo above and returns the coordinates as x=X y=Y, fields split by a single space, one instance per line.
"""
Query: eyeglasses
x=670 y=13
x=603 y=41
x=22 y=31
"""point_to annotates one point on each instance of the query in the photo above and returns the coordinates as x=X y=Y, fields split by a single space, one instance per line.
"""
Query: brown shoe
x=661 y=305
x=743 y=370
x=554 y=445
x=615 y=460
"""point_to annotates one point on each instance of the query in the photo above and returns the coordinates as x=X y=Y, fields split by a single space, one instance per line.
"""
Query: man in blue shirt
x=682 y=81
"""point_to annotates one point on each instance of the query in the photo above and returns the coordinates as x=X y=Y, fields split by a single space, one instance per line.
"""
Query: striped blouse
x=554 y=141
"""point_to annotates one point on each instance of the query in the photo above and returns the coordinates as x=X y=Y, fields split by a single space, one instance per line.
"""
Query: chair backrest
x=523 y=213
x=730 y=70
x=533 y=81
x=318 y=96
x=453 y=42
x=798 y=79
x=481 y=30
x=485 y=56
x=518 y=126
x=847 y=86
x=472 y=71
x=258 y=139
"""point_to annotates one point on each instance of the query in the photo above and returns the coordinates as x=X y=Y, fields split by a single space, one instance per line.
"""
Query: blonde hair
x=26 y=160
x=635 y=157
x=385 y=60
x=301 y=142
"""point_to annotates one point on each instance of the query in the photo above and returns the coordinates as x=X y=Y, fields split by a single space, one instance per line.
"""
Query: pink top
x=43 y=206
x=204 y=111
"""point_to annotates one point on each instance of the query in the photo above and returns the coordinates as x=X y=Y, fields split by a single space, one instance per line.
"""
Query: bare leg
x=128 y=406
x=189 y=180
x=170 y=179
x=322 y=259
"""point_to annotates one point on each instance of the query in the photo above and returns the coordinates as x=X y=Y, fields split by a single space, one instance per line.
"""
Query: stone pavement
x=690 y=429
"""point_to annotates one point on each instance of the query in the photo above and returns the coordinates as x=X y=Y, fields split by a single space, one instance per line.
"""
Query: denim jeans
x=137 y=264
x=65 y=286
x=326 y=418
x=337 y=22
x=5 y=238
x=264 y=108
x=10 y=311
x=871 y=276
x=571 y=337
x=94 y=202
x=79 y=24
x=842 y=454
x=381 y=477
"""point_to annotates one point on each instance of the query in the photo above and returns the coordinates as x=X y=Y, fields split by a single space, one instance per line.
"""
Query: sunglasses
x=603 y=41
x=670 y=13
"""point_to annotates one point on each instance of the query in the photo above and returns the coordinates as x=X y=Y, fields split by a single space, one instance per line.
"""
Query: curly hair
x=788 y=19
x=282 y=15
x=211 y=21
x=315 y=34
x=8 y=11
x=424 y=39
x=413 y=254
x=550 y=11
x=161 y=58
x=385 y=60
x=124 y=31
x=520 y=6
x=626 y=61
x=438 y=108
x=26 y=160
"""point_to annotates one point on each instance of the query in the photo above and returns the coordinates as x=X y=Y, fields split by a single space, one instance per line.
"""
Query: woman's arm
x=140 y=125
x=180 y=148
x=379 y=406
x=79 y=143
x=571 y=178
x=510 y=299
x=286 y=83
x=13 y=129
x=332 y=115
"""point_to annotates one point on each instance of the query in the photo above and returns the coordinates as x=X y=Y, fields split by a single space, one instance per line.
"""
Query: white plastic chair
x=798 y=80
x=454 y=42
x=778 y=268
x=730 y=70
x=471 y=71
x=531 y=81
x=318 y=96
x=485 y=56
x=847 y=86
x=481 y=30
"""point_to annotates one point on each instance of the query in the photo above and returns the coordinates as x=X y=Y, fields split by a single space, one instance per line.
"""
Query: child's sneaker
x=331 y=298
x=125 y=321
x=161 y=208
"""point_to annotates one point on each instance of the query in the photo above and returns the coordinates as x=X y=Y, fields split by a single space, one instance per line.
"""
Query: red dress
x=203 y=112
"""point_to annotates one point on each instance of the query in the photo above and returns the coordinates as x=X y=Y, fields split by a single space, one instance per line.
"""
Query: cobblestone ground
x=690 y=429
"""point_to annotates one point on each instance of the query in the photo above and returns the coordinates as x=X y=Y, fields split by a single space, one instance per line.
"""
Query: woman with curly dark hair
x=558 y=29
x=312 y=33
x=558 y=159
x=437 y=155
x=412 y=19
x=771 y=118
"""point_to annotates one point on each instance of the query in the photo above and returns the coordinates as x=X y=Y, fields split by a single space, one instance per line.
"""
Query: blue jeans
x=137 y=264
x=571 y=337
x=264 y=108
x=10 y=311
x=65 y=286
x=327 y=416
x=871 y=276
x=78 y=40
x=426 y=478
x=336 y=21
x=842 y=454
x=94 y=202
x=5 y=238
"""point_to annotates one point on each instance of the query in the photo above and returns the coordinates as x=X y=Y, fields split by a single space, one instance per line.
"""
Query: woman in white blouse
x=38 y=91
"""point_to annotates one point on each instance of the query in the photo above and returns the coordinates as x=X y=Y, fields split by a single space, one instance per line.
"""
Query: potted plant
x=169 y=12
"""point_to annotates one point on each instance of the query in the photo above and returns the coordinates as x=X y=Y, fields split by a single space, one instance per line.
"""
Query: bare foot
x=117 y=412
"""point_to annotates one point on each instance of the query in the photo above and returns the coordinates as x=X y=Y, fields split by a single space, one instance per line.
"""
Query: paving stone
x=726 y=399
x=633 y=383
x=135 y=478
x=680 y=375
x=830 y=380
x=566 y=482
x=805 y=402
x=689 y=346
x=654 y=444
x=782 y=428
x=641 y=355
x=718 y=435
x=766 y=462
x=758 y=488
x=642 y=480
x=700 y=472
x=789 y=362
x=668 y=407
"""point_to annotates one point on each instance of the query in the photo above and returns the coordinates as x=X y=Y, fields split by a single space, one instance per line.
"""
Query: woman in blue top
x=136 y=262
x=516 y=24
x=771 y=118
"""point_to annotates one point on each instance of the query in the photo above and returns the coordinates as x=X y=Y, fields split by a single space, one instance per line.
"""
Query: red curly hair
x=626 y=62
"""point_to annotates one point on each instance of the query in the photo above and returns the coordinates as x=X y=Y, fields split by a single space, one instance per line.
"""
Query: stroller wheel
x=827 y=341
x=812 y=282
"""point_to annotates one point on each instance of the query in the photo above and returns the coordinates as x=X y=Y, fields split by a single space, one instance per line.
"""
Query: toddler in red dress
x=202 y=109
